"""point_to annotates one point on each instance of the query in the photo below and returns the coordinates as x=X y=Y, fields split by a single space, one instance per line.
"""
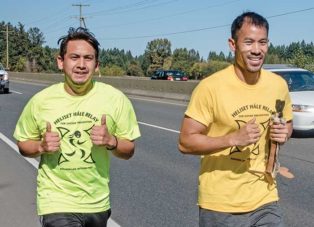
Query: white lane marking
x=159 y=127
x=152 y=100
x=16 y=92
x=14 y=147
x=112 y=223
x=34 y=162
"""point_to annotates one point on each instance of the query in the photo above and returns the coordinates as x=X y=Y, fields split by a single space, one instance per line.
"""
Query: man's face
x=250 y=47
x=79 y=62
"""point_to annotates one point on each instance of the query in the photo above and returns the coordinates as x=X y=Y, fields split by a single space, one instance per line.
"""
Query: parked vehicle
x=301 y=89
x=172 y=75
x=4 y=80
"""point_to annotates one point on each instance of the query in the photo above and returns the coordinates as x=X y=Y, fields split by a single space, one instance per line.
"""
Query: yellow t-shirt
x=75 y=179
x=224 y=103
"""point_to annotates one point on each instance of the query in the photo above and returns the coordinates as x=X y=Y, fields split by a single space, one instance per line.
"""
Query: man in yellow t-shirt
x=73 y=127
x=228 y=123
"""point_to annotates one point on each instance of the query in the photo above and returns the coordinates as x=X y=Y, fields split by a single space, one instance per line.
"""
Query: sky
x=202 y=25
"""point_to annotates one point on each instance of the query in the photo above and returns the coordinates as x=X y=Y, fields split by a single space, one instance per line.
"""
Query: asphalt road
x=158 y=186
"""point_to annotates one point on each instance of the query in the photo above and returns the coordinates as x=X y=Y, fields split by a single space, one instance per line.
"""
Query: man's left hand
x=279 y=132
x=100 y=135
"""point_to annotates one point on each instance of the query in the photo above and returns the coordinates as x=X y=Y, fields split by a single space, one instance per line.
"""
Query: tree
x=116 y=57
x=199 y=70
x=194 y=55
x=157 y=51
x=36 y=37
x=272 y=59
x=20 y=65
x=180 y=59
x=48 y=62
x=167 y=63
x=299 y=58
x=19 y=46
x=230 y=57
x=35 y=53
x=184 y=59
x=204 y=69
x=134 y=69
x=212 y=56
x=144 y=62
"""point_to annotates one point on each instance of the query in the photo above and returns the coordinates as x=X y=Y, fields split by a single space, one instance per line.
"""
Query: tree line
x=27 y=53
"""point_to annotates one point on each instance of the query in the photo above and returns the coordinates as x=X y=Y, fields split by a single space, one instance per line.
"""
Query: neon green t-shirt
x=76 y=178
x=228 y=181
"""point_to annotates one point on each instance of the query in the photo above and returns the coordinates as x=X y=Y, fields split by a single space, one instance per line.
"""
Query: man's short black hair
x=78 y=34
x=250 y=17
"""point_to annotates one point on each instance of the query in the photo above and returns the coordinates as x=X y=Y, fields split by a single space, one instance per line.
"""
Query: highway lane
x=158 y=186
x=17 y=189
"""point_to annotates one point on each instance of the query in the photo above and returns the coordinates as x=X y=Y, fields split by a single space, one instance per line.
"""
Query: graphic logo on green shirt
x=74 y=129
x=76 y=139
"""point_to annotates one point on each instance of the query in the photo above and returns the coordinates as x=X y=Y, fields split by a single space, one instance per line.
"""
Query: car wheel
x=6 y=90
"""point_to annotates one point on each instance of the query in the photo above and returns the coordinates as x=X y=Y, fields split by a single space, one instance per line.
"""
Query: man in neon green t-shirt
x=228 y=123
x=73 y=127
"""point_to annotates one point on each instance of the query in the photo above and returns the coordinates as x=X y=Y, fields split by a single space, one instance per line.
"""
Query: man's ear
x=232 y=44
x=97 y=66
x=60 y=62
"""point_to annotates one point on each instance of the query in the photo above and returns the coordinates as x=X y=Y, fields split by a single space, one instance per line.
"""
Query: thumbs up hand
x=50 y=141
x=246 y=135
x=100 y=135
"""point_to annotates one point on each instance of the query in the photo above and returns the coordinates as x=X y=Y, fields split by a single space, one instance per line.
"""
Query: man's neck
x=247 y=77
x=78 y=90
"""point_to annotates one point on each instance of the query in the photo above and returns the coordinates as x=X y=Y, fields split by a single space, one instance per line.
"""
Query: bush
x=112 y=70
x=134 y=70
x=201 y=70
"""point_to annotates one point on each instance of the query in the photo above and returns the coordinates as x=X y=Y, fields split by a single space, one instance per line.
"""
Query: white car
x=301 y=88
x=4 y=80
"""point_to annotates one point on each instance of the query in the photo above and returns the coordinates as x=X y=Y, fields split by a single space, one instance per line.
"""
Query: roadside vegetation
x=27 y=53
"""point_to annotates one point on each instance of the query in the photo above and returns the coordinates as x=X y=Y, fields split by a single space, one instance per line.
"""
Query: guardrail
x=177 y=90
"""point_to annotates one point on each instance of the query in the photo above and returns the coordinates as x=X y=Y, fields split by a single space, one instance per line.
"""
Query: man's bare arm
x=193 y=139
x=29 y=148
x=49 y=143
x=125 y=149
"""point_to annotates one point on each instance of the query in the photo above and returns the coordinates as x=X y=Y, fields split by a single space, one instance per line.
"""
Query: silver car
x=301 y=87
x=4 y=80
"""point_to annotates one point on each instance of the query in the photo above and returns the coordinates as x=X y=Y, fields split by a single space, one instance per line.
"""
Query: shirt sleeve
x=125 y=120
x=27 y=127
x=200 y=105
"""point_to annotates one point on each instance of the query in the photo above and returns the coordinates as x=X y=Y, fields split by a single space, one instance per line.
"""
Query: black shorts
x=76 y=219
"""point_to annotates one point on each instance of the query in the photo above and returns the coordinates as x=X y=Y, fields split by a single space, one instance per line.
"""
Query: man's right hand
x=50 y=141
x=246 y=135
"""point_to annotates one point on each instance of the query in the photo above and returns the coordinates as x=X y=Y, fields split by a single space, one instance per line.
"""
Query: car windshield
x=298 y=80
x=1 y=67
x=175 y=73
